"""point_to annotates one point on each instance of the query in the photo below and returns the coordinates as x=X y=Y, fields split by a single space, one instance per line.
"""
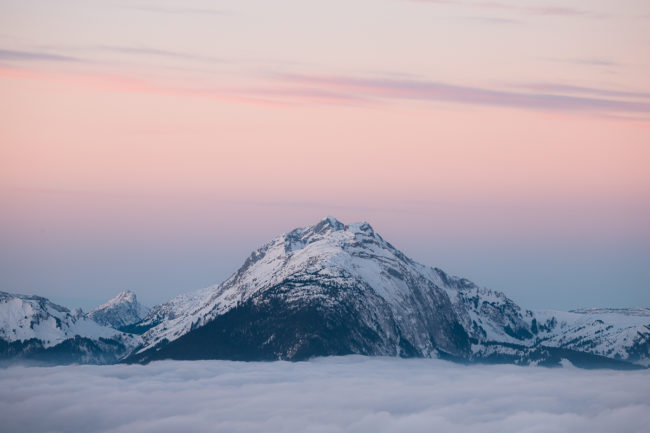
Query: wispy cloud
x=492 y=20
x=544 y=10
x=281 y=89
x=441 y=2
x=570 y=89
x=193 y=11
x=589 y=61
x=542 y=98
x=311 y=94
x=533 y=10
x=140 y=51
x=13 y=55
x=595 y=61
x=124 y=83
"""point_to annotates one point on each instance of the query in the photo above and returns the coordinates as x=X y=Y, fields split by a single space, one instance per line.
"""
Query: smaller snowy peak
x=123 y=310
x=24 y=317
x=124 y=296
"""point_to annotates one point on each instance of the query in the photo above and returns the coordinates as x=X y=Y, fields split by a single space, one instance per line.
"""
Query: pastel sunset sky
x=151 y=145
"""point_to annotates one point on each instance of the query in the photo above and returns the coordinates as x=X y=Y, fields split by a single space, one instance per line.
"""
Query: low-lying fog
x=347 y=394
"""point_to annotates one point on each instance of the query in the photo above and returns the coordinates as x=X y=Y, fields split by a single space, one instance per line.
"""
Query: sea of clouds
x=346 y=394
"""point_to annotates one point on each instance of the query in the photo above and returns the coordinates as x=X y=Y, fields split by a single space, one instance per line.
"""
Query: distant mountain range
x=33 y=329
x=328 y=289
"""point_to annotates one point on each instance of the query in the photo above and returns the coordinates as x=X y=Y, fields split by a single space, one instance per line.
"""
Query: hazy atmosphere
x=152 y=145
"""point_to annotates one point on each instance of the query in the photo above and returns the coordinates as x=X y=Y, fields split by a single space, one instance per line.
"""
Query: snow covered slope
x=32 y=325
x=615 y=333
x=121 y=311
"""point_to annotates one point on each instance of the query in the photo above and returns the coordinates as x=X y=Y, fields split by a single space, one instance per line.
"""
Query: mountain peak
x=125 y=296
x=327 y=228
x=122 y=310
x=329 y=223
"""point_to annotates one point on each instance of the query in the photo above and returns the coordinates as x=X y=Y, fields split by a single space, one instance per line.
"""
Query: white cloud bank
x=349 y=394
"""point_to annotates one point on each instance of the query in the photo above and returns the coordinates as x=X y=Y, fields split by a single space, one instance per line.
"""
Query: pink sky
x=479 y=136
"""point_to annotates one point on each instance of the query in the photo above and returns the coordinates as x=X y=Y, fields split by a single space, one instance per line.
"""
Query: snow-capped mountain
x=121 y=311
x=334 y=289
x=323 y=290
x=327 y=289
x=33 y=328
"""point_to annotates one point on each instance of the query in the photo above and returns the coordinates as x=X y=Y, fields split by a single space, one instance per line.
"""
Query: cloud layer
x=543 y=97
x=15 y=55
x=350 y=394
